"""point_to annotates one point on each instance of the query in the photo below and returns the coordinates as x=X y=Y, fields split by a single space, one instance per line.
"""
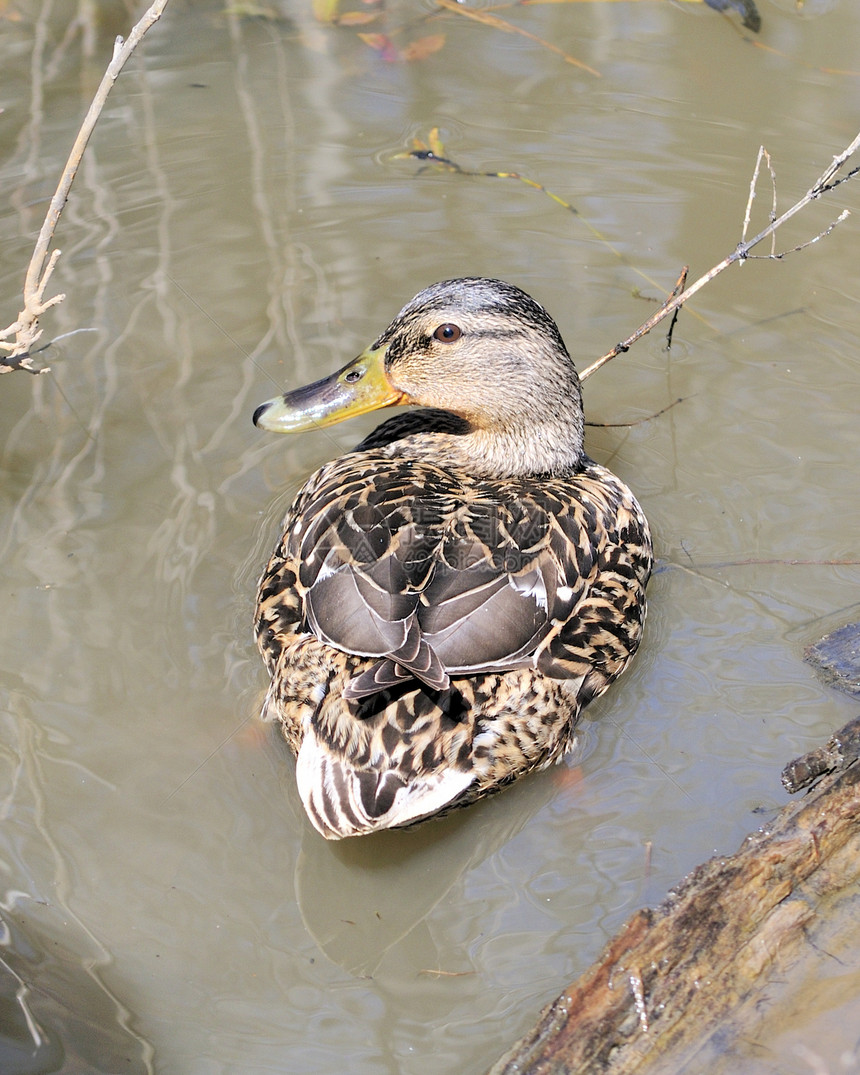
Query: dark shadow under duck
x=448 y=596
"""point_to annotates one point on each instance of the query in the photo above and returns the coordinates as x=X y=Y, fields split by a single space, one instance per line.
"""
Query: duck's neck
x=551 y=446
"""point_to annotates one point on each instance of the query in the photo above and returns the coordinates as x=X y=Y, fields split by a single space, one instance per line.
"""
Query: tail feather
x=342 y=800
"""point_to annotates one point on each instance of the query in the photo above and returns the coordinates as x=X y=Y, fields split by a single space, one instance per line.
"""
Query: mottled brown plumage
x=447 y=597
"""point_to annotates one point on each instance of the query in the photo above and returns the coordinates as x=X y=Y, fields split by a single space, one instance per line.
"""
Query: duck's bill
x=360 y=386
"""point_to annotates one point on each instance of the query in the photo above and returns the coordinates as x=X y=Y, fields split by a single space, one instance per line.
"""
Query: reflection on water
x=56 y=1013
x=421 y=865
x=241 y=220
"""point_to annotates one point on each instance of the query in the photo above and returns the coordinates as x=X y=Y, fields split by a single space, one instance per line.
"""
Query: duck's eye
x=447 y=333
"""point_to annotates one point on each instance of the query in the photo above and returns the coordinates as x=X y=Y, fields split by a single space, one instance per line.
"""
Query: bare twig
x=489 y=19
x=773 y=256
x=26 y=329
x=762 y=154
x=637 y=421
x=680 y=284
x=823 y=185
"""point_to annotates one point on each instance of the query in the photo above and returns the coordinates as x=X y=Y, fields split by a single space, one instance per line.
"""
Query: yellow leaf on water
x=325 y=10
x=436 y=146
x=357 y=18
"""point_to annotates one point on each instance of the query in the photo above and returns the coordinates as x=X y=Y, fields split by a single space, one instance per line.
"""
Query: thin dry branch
x=762 y=155
x=823 y=185
x=26 y=329
x=489 y=19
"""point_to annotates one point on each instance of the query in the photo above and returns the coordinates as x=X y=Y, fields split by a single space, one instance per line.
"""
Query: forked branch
x=26 y=329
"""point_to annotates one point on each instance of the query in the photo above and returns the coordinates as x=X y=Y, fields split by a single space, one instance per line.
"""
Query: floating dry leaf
x=423 y=47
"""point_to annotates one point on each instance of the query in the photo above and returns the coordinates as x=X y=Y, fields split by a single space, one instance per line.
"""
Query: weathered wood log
x=666 y=983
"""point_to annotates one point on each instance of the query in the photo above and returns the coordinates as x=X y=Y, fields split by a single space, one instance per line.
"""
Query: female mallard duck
x=448 y=596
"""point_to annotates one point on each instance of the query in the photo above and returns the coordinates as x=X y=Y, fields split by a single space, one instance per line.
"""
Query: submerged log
x=666 y=983
x=837 y=658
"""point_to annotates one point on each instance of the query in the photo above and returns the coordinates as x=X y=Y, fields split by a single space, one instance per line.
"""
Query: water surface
x=242 y=221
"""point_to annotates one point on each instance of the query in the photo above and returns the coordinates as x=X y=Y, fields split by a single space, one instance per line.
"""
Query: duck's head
x=480 y=349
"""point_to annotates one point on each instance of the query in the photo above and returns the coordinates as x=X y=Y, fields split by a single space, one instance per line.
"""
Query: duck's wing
x=364 y=542
x=356 y=552
x=510 y=565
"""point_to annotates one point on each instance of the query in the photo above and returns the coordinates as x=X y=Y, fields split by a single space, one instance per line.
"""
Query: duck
x=447 y=597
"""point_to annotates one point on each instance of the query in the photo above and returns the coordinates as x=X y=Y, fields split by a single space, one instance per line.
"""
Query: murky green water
x=240 y=221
